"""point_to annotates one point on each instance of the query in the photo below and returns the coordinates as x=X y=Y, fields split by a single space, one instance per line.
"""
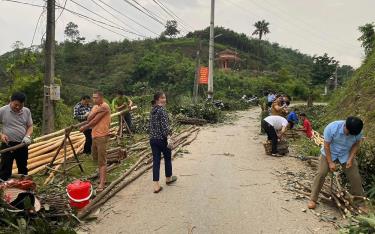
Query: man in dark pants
x=17 y=127
x=81 y=111
x=275 y=126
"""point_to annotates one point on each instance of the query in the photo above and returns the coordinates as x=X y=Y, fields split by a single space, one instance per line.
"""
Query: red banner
x=203 y=75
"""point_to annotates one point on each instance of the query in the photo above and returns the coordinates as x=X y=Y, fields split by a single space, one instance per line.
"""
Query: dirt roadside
x=226 y=185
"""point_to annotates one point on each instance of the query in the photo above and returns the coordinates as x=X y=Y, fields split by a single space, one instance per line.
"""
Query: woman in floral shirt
x=159 y=133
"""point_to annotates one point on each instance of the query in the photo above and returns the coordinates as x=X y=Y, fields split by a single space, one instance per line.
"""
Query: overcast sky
x=313 y=27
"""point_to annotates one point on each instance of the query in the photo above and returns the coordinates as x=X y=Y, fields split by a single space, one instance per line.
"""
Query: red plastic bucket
x=79 y=193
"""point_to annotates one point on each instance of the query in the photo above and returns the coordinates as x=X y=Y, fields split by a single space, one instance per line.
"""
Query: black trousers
x=88 y=142
x=128 y=119
x=158 y=147
x=271 y=134
x=6 y=163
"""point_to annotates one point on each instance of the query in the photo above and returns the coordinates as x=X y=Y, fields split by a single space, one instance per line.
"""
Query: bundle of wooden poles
x=142 y=151
x=317 y=138
x=44 y=148
x=41 y=153
x=333 y=192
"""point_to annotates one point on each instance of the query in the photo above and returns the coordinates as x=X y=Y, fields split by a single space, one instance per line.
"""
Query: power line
x=170 y=14
x=58 y=17
x=102 y=17
x=150 y=12
x=134 y=21
x=310 y=27
x=36 y=26
x=168 y=9
x=94 y=21
x=114 y=16
x=24 y=3
x=296 y=33
x=139 y=9
x=292 y=21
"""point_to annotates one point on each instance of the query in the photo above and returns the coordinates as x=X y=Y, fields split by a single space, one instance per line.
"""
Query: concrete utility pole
x=48 y=104
x=336 y=80
x=211 y=53
x=197 y=67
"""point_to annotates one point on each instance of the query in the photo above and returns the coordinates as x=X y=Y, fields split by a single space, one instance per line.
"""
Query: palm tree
x=261 y=28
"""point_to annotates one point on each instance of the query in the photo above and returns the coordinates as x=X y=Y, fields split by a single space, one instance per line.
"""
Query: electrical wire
x=102 y=17
x=170 y=14
x=168 y=9
x=36 y=26
x=139 y=9
x=94 y=21
x=134 y=21
x=149 y=11
x=61 y=12
x=114 y=16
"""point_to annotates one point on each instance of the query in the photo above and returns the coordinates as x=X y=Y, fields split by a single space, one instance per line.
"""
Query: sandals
x=99 y=190
x=173 y=179
x=157 y=191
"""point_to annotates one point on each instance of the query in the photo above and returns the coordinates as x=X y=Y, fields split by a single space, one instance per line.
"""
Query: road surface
x=225 y=184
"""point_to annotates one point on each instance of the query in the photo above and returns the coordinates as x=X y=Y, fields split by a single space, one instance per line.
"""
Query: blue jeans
x=160 y=146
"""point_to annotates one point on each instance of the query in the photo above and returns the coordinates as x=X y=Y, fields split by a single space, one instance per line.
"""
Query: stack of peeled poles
x=44 y=148
x=41 y=153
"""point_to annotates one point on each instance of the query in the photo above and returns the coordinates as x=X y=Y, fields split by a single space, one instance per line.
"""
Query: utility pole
x=211 y=53
x=336 y=80
x=48 y=104
x=197 y=67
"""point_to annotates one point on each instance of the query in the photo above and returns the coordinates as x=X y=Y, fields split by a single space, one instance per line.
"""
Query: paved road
x=225 y=185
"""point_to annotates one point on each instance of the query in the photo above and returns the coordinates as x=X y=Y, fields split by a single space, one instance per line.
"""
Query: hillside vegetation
x=357 y=97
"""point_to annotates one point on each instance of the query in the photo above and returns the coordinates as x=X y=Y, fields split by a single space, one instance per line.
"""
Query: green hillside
x=357 y=97
x=141 y=66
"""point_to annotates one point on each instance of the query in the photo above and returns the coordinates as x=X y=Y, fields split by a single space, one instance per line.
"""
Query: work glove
x=170 y=143
x=27 y=140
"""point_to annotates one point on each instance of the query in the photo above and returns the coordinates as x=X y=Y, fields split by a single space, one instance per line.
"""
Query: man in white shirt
x=275 y=126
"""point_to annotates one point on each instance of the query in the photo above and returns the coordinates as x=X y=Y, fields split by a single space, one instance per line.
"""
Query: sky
x=312 y=27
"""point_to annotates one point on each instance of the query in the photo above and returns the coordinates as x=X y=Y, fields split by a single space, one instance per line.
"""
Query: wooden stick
x=89 y=208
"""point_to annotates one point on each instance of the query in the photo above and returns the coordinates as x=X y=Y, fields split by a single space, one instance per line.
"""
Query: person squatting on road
x=17 y=127
x=275 y=126
x=160 y=140
x=99 y=120
x=81 y=111
x=341 y=144
x=306 y=126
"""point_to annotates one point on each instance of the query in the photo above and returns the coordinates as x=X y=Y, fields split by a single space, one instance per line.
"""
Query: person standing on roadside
x=17 y=127
x=160 y=141
x=81 y=111
x=341 y=144
x=99 y=120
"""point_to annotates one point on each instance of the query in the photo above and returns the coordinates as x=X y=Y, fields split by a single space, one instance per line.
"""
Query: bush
x=235 y=105
x=205 y=111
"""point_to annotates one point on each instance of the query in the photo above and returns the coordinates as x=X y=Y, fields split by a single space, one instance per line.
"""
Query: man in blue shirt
x=341 y=144
x=292 y=118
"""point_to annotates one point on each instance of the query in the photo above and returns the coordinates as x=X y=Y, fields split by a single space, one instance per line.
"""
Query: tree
x=368 y=37
x=323 y=69
x=171 y=29
x=71 y=31
x=261 y=28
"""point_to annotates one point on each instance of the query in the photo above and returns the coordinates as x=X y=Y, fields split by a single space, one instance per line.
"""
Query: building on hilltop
x=228 y=60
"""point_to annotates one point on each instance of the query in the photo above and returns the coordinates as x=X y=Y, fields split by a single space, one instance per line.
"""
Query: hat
x=16 y=199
